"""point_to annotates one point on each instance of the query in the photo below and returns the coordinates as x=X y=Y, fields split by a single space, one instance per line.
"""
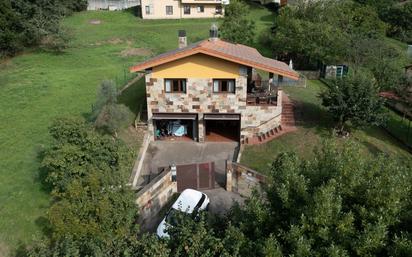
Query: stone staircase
x=287 y=125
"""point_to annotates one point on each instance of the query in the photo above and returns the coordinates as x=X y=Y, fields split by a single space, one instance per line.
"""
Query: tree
x=236 y=27
x=353 y=99
x=399 y=18
x=25 y=23
x=107 y=114
x=339 y=203
x=328 y=32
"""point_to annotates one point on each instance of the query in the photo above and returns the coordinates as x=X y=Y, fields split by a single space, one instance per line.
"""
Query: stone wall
x=153 y=197
x=200 y=99
x=241 y=179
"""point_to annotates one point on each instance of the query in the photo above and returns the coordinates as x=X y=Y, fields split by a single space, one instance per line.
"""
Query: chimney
x=182 y=39
x=214 y=32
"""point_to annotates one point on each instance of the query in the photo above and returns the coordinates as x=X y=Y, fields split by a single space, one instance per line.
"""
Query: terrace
x=265 y=92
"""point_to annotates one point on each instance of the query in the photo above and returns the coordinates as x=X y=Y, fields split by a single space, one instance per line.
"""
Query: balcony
x=262 y=93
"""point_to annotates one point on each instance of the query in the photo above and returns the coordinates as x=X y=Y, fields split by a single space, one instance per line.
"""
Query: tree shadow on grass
x=312 y=116
x=268 y=18
x=42 y=172
x=383 y=136
x=134 y=97
x=44 y=224
x=21 y=250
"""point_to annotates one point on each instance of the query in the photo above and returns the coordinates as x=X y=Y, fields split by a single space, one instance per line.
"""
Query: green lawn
x=37 y=87
x=315 y=126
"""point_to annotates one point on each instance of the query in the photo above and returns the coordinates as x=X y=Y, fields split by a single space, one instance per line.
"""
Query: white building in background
x=181 y=9
x=111 y=5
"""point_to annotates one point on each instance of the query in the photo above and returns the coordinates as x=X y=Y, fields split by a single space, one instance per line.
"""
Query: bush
x=56 y=42
x=107 y=114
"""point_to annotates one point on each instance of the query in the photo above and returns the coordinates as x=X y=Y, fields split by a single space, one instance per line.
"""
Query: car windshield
x=172 y=217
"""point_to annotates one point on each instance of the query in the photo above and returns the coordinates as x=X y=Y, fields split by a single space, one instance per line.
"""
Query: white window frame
x=200 y=9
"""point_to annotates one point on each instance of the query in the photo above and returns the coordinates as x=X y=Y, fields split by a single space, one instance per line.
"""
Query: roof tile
x=221 y=49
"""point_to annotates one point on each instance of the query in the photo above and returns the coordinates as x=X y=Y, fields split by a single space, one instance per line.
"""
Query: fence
x=125 y=77
x=400 y=127
x=301 y=82
x=111 y=5
x=309 y=74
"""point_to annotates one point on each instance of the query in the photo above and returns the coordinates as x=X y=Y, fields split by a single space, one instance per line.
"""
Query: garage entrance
x=222 y=127
x=181 y=127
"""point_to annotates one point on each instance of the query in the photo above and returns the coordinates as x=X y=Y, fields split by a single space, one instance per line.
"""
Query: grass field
x=317 y=125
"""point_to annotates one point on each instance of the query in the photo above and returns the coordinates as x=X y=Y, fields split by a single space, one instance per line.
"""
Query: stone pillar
x=229 y=171
x=149 y=85
x=279 y=97
x=201 y=128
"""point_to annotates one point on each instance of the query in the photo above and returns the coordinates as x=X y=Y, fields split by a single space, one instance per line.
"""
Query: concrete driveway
x=221 y=200
x=164 y=153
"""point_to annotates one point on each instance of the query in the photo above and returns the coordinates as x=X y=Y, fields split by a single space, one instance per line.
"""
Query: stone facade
x=199 y=99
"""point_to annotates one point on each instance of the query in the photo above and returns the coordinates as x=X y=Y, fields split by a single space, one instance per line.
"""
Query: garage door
x=222 y=127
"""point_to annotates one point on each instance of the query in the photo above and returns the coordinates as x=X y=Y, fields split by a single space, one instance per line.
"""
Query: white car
x=190 y=201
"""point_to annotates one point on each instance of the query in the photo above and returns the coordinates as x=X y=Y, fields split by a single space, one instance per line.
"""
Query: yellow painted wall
x=197 y=66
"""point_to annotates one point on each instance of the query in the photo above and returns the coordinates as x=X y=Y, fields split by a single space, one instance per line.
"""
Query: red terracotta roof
x=237 y=53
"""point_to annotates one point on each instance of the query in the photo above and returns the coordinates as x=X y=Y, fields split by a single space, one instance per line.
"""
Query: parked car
x=189 y=202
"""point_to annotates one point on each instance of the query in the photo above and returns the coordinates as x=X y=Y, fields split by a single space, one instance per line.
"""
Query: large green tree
x=25 y=23
x=353 y=100
x=236 y=26
x=322 y=31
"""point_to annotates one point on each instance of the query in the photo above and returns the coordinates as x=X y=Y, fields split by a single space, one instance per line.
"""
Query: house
x=181 y=9
x=334 y=71
x=205 y=92
x=111 y=5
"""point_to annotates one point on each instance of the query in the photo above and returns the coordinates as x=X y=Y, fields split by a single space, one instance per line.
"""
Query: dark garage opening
x=222 y=127
x=175 y=127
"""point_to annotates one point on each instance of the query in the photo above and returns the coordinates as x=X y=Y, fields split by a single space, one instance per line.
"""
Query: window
x=219 y=9
x=169 y=10
x=186 y=9
x=200 y=8
x=175 y=85
x=223 y=86
x=147 y=9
